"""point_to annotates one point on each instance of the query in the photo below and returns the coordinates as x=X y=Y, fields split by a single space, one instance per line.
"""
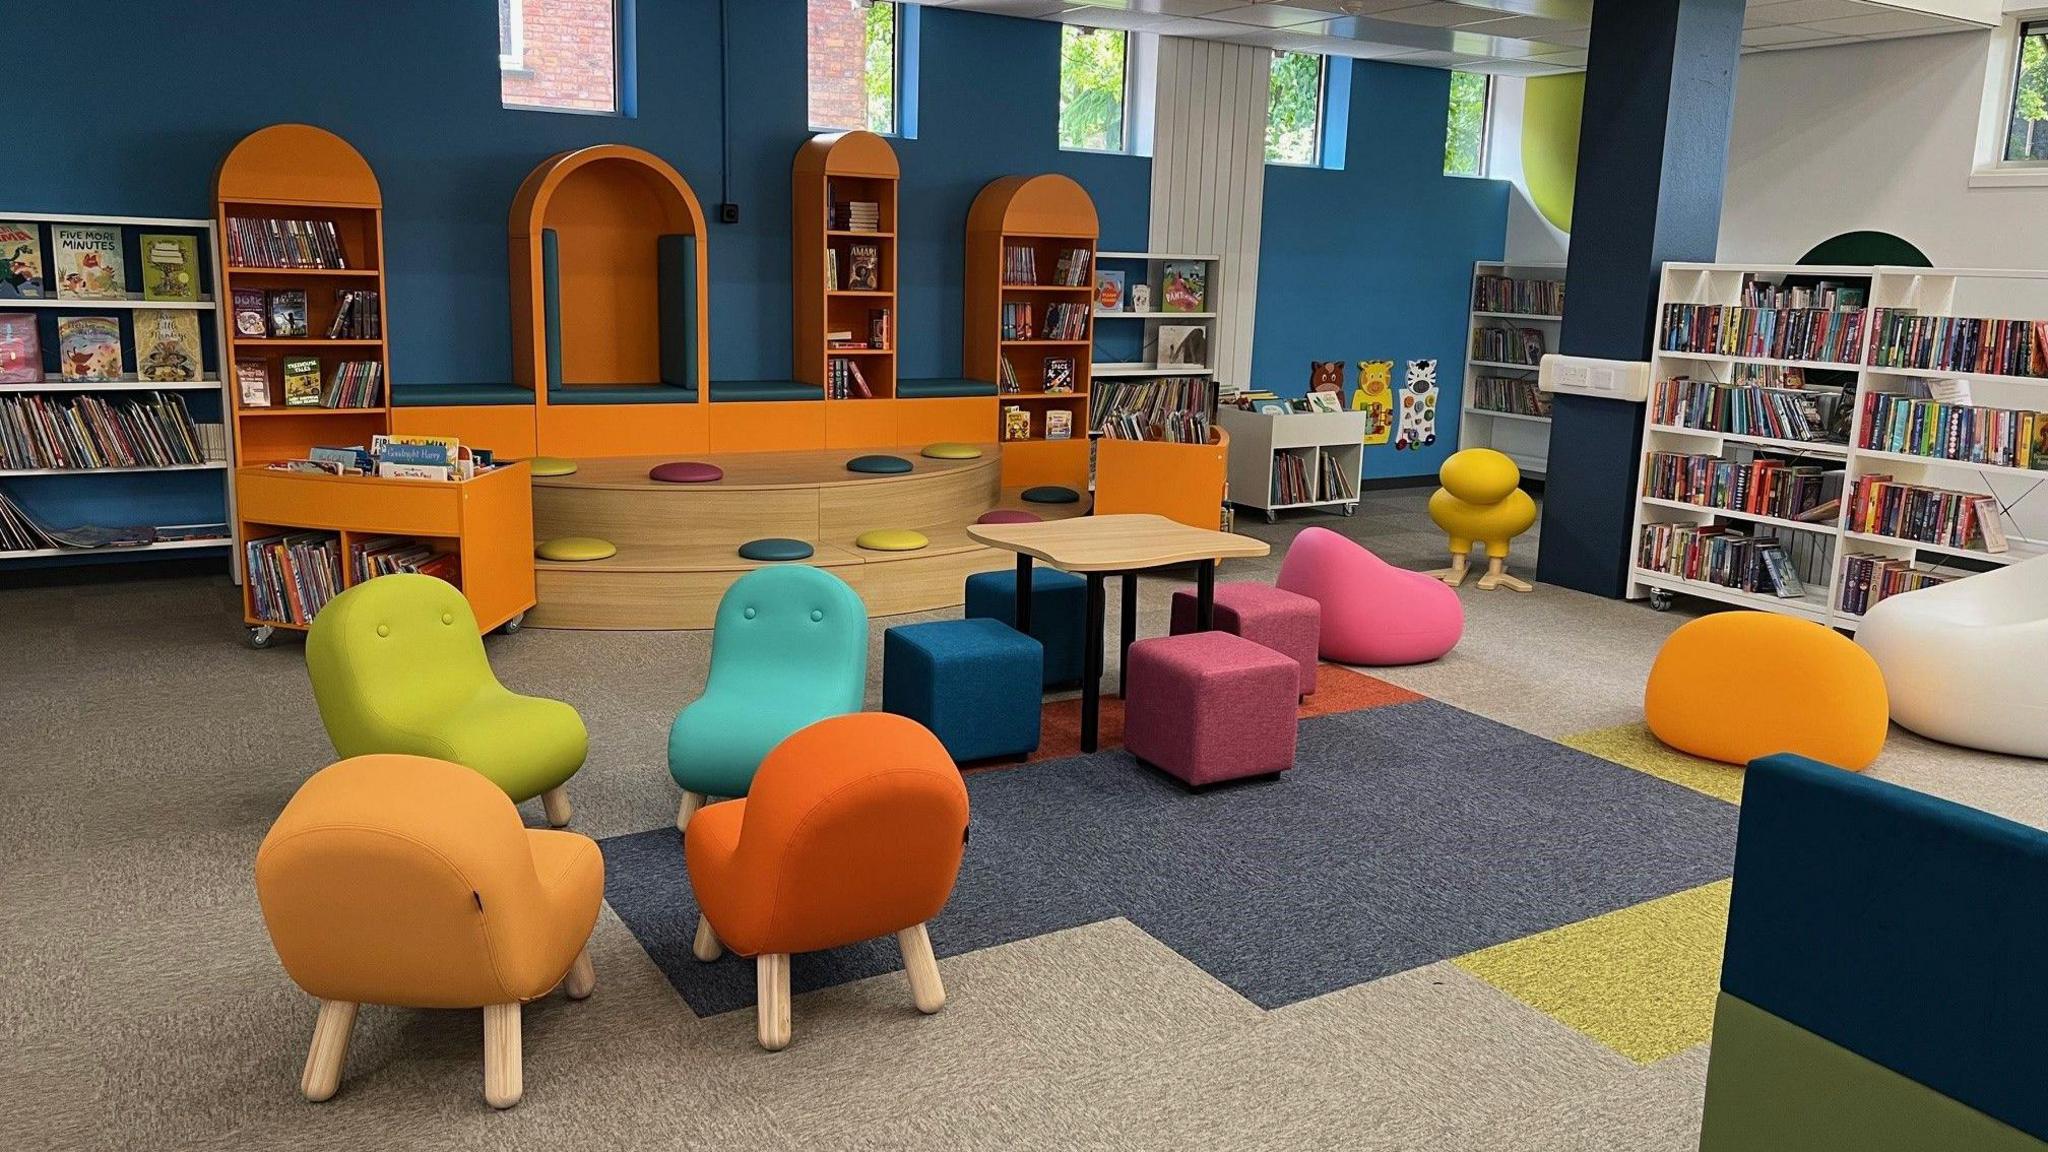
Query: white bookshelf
x=1523 y=437
x=1122 y=325
x=1821 y=549
x=1256 y=439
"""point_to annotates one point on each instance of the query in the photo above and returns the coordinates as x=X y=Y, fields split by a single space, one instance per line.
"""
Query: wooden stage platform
x=678 y=543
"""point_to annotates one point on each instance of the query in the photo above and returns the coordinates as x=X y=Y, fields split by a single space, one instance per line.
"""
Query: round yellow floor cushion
x=891 y=540
x=1738 y=685
x=551 y=466
x=947 y=451
x=576 y=548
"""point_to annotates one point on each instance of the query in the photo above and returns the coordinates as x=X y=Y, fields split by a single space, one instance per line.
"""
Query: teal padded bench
x=934 y=388
x=676 y=306
x=457 y=395
x=734 y=391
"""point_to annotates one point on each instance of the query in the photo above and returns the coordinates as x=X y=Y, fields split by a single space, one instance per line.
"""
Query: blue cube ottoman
x=1059 y=614
x=974 y=683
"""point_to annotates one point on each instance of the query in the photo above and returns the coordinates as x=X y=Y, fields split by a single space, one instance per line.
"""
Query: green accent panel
x=551 y=302
x=676 y=267
x=725 y=391
x=1867 y=247
x=621 y=394
x=927 y=389
x=1550 y=142
x=1773 y=1085
x=457 y=395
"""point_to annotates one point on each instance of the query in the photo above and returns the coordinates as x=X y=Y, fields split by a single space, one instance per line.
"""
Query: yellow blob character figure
x=1481 y=500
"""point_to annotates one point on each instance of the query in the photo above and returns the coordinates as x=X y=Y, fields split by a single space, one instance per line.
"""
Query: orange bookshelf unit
x=843 y=274
x=1029 y=324
x=300 y=211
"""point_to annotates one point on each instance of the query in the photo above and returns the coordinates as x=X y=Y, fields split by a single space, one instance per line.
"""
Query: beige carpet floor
x=144 y=750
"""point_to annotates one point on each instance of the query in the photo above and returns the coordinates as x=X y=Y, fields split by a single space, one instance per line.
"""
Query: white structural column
x=1209 y=176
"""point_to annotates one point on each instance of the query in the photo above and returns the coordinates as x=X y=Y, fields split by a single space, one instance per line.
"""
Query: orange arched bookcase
x=1040 y=219
x=610 y=316
x=843 y=167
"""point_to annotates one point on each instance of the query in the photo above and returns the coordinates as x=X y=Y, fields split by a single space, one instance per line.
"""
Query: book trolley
x=294 y=172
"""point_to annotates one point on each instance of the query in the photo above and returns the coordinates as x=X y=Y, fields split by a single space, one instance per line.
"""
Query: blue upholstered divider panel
x=1907 y=929
x=551 y=303
x=676 y=263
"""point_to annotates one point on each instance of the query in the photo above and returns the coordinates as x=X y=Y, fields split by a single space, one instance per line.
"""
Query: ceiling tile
x=1517 y=68
x=1778 y=34
x=1879 y=23
x=1439 y=14
x=1801 y=11
x=1266 y=15
x=1576 y=58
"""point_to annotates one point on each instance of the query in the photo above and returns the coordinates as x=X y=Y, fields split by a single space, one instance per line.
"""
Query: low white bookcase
x=1257 y=439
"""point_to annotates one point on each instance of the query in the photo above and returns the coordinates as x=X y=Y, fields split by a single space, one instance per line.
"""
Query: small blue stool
x=1059 y=614
x=972 y=682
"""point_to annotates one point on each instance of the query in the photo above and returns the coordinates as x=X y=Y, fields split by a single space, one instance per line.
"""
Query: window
x=853 y=64
x=1294 y=109
x=1465 y=128
x=2026 y=135
x=1093 y=85
x=561 y=55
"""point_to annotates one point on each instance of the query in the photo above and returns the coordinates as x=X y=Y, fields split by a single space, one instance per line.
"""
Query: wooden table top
x=1116 y=543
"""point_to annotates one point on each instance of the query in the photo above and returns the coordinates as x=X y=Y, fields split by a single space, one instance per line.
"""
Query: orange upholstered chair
x=853 y=829
x=404 y=880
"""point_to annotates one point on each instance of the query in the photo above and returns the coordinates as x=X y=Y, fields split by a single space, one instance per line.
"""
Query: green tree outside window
x=1294 y=108
x=1465 y=130
x=1091 y=88
x=881 y=68
x=2027 y=137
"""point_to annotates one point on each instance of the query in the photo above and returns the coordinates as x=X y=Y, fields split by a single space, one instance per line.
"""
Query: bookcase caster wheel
x=1272 y=516
x=261 y=636
x=513 y=625
x=1660 y=600
x=1351 y=509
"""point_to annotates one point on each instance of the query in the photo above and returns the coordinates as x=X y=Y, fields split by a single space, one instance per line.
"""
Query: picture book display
x=89 y=262
x=302 y=382
x=251 y=314
x=1016 y=423
x=95 y=430
x=167 y=347
x=1059 y=375
x=1109 y=291
x=395 y=457
x=1418 y=406
x=1059 y=424
x=170 y=266
x=1141 y=297
x=863 y=268
x=1183 y=344
x=1185 y=286
x=287 y=312
x=1174 y=409
x=21 y=260
x=89 y=347
x=1375 y=398
x=252 y=382
x=21 y=349
x=1323 y=402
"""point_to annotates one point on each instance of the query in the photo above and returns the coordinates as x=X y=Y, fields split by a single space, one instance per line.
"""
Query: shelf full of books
x=1819 y=438
x=1517 y=312
x=1286 y=459
x=111 y=347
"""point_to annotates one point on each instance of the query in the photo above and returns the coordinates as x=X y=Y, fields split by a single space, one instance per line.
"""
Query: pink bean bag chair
x=1373 y=612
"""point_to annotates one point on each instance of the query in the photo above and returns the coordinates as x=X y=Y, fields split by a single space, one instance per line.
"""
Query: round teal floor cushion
x=775 y=548
x=1051 y=494
x=878 y=465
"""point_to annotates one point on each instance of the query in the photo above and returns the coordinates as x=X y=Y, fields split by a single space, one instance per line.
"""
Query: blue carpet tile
x=1406 y=835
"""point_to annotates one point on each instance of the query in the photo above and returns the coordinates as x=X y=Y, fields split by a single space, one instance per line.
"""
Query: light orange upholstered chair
x=854 y=829
x=403 y=880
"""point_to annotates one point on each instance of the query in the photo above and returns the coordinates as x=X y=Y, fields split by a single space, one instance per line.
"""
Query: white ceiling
x=1505 y=37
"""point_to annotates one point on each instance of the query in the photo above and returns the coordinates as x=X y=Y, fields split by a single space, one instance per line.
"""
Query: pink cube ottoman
x=1289 y=624
x=1210 y=706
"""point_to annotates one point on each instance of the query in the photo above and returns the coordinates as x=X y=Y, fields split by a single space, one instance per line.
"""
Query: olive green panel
x=1550 y=142
x=1773 y=1085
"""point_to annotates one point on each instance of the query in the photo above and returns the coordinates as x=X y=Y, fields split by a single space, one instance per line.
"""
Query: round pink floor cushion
x=685 y=472
x=1373 y=612
x=1008 y=516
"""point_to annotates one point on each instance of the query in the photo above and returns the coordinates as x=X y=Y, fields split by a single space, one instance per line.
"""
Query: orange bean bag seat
x=1735 y=686
x=405 y=880
x=854 y=828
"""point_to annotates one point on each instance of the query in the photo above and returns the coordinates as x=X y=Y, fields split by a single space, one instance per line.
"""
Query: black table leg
x=1128 y=624
x=1091 y=665
x=1205 y=596
x=1023 y=612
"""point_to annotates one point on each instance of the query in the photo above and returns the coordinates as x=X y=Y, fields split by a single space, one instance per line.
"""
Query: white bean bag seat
x=1960 y=660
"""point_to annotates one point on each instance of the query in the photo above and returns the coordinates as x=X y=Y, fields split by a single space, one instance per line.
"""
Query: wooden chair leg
x=706 y=947
x=922 y=968
x=691 y=802
x=771 y=993
x=1497 y=577
x=504 y=1080
x=582 y=978
x=329 y=1050
x=556 y=801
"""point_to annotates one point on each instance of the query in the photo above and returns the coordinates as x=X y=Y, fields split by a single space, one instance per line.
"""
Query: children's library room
x=1126 y=575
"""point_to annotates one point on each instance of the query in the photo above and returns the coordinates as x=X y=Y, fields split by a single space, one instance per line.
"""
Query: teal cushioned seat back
x=789 y=647
x=676 y=264
x=389 y=658
x=551 y=302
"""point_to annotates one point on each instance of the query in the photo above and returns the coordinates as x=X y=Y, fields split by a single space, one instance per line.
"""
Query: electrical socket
x=728 y=213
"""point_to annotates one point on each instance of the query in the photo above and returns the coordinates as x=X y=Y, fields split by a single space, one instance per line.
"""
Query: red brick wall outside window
x=838 y=55
x=558 y=54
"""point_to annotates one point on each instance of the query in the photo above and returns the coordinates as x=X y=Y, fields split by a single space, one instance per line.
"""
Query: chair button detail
x=749 y=613
x=817 y=614
x=383 y=629
x=447 y=617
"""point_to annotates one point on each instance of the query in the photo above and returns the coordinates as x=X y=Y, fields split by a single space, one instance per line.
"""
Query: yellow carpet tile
x=1640 y=980
x=1632 y=746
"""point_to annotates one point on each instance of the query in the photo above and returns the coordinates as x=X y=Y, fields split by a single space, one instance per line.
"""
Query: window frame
x=1480 y=165
x=1125 y=104
x=625 y=79
x=2031 y=24
x=515 y=38
x=1989 y=167
x=1316 y=155
x=902 y=74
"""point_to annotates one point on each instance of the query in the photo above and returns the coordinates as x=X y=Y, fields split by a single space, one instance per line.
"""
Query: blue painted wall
x=1374 y=261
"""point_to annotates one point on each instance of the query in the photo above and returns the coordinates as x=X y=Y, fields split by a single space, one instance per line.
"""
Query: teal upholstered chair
x=789 y=647
x=398 y=666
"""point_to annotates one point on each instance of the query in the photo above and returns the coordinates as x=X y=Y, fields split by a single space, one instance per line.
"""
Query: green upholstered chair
x=789 y=647
x=398 y=666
